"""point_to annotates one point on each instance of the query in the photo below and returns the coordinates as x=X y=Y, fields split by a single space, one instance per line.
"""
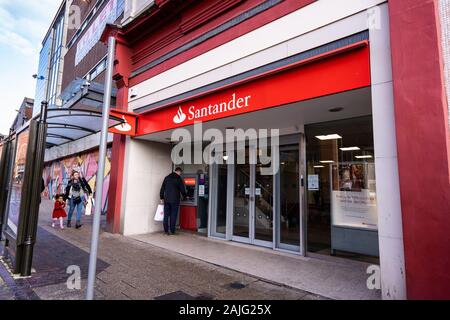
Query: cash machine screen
x=191 y=189
x=191 y=185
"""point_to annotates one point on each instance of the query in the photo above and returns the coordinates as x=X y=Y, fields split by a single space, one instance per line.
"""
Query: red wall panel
x=172 y=30
x=423 y=146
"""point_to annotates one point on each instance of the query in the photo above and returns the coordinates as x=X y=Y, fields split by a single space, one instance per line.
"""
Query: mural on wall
x=57 y=173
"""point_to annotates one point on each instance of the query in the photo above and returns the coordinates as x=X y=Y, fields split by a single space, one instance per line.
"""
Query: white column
x=386 y=165
x=146 y=165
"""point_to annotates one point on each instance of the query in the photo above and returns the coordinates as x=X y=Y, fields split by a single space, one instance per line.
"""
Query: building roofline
x=58 y=12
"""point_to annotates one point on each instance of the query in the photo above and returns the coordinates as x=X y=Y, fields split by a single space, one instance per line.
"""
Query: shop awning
x=81 y=113
x=67 y=125
x=82 y=94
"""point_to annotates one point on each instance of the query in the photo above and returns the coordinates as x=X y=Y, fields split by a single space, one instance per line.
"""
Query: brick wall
x=98 y=52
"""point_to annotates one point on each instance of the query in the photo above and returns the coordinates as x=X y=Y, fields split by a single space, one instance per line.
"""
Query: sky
x=23 y=25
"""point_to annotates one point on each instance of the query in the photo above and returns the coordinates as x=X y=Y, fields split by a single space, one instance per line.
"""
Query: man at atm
x=171 y=191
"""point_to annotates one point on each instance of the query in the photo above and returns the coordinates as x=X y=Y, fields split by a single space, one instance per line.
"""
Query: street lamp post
x=101 y=169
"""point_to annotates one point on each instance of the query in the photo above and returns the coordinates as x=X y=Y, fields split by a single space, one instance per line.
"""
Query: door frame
x=298 y=138
x=295 y=139
x=252 y=206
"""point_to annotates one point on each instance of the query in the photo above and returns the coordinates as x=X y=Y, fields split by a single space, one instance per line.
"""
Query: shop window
x=342 y=214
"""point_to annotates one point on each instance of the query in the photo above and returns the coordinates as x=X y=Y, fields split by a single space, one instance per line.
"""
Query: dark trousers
x=170 y=216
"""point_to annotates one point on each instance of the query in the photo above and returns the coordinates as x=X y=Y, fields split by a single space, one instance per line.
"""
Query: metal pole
x=101 y=170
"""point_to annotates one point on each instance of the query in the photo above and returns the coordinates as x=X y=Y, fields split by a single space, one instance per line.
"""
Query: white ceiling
x=290 y=118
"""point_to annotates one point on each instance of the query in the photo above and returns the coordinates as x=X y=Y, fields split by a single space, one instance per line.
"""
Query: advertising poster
x=354 y=202
x=17 y=180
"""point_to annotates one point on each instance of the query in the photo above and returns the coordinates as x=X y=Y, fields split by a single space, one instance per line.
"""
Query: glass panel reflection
x=289 y=196
x=241 y=201
x=263 y=205
x=222 y=181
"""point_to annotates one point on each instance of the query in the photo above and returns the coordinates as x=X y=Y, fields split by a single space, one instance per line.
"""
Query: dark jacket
x=172 y=189
x=84 y=185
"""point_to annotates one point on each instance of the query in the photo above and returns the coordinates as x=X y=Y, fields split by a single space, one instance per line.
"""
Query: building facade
x=337 y=124
x=362 y=121
x=73 y=58
x=24 y=114
x=51 y=61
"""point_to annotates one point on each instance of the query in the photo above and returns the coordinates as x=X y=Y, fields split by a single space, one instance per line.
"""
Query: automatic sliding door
x=254 y=207
x=253 y=202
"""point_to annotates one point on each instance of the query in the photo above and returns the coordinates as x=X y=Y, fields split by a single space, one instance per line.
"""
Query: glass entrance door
x=253 y=207
x=252 y=203
x=264 y=206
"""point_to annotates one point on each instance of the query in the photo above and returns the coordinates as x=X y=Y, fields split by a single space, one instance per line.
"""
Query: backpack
x=76 y=193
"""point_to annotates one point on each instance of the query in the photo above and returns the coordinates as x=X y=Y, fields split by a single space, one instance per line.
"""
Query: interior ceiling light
x=329 y=137
x=327 y=161
x=364 y=157
x=319 y=167
x=350 y=149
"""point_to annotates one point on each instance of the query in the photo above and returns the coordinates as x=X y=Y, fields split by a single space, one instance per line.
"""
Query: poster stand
x=21 y=206
x=353 y=231
x=5 y=168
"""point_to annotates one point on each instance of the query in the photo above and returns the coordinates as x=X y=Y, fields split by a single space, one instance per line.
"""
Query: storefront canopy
x=82 y=94
x=80 y=115
x=67 y=125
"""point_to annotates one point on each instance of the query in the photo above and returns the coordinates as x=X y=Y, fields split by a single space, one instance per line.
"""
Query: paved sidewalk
x=5 y=292
x=335 y=278
x=131 y=269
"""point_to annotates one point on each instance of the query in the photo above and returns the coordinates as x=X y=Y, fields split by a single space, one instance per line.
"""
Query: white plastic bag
x=159 y=215
x=89 y=206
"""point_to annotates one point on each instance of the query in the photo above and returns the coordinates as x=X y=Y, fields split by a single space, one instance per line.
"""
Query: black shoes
x=77 y=226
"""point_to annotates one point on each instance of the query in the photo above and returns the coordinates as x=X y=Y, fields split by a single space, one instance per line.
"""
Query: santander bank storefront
x=281 y=114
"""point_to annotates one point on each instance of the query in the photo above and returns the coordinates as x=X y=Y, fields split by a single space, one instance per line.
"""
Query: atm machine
x=194 y=209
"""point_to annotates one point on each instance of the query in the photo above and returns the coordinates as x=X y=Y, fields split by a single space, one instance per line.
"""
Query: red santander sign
x=223 y=107
x=129 y=125
x=335 y=72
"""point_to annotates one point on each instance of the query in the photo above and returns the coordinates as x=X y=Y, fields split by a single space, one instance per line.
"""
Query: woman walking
x=76 y=192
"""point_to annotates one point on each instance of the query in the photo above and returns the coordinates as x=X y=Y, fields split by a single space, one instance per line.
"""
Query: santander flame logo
x=180 y=117
x=124 y=127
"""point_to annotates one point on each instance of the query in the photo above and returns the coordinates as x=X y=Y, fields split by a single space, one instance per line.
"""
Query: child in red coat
x=59 y=213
